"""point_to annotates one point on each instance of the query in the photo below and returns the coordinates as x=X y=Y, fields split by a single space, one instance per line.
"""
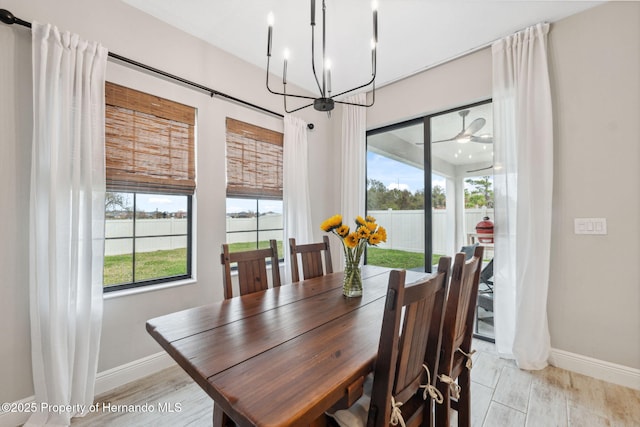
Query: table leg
x=220 y=419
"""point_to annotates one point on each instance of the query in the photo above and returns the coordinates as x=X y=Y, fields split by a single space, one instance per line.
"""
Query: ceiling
x=448 y=158
x=412 y=34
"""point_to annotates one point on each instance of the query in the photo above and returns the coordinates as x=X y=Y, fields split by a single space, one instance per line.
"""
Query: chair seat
x=356 y=414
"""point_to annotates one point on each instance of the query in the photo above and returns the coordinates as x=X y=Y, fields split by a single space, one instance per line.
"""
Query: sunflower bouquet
x=366 y=232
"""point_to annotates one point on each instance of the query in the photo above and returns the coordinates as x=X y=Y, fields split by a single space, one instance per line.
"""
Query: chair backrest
x=311 y=256
x=410 y=337
x=252 y=269
x=457 y=329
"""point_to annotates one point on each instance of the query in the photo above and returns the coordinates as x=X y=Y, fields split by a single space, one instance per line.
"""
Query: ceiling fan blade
x=483 y=139
x=444 y=140
x=481 y=169
x=475 y=126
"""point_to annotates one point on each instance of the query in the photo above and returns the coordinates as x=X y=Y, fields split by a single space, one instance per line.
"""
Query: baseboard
x=132 y=371
x=606 y=371
x=105 y=381
x=16 y=418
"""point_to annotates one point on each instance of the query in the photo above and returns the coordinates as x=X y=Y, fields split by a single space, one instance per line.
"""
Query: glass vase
x=352 y=286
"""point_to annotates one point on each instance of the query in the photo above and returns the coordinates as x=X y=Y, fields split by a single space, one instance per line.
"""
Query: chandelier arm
x=288 y=94
x=353 y=103
x=373 y=79
x=323 y=92
x=282 y=93
x=296 y=109
x=293 y=95
x=313 y=57
x=285 y=101
x=373 y=99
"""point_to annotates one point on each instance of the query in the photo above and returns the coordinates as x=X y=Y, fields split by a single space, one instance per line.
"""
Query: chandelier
x=326 y=101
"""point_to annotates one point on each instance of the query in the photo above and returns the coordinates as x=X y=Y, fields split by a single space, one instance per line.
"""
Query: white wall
x=130 y=33
x=594 y=293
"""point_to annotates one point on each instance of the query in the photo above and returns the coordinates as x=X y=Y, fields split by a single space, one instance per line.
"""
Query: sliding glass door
x=429 y=183
x=396 y=183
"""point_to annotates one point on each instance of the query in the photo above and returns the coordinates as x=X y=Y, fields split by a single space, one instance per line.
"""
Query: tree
x=481 y=194
x=380 y=197
x=115 y=200
x=438 y=197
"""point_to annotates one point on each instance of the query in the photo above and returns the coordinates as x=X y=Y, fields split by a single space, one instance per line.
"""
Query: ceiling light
x=326 y=101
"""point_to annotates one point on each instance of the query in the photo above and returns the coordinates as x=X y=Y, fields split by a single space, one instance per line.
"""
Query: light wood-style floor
x=502 y=396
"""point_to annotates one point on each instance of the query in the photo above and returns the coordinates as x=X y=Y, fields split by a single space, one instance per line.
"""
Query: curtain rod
x=9 y=19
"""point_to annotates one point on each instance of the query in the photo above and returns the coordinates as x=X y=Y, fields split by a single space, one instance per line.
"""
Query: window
x=254 y=186
x=150 y=174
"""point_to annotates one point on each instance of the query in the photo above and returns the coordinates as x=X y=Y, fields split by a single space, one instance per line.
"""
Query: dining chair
x=485 y=296
x=252 y=269
x=457 y=330
x=404 y=372
x=311 y=257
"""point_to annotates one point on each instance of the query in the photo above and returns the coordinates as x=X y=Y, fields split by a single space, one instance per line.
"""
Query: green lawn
x=149 y=265
x=397 y=259
x=249 y=246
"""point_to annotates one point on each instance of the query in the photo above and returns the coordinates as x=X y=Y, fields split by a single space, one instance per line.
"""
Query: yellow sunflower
x=369 y=218
x=331 y=223
x=363 y=233
x=382 y=233
x=371 y=226
x=360 y=220
x=343 y=230
x=351 y=240
x=374 y=239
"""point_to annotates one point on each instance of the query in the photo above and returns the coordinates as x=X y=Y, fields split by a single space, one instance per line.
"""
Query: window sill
x=148 y=288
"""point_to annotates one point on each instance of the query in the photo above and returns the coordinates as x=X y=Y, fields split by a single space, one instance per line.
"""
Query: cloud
x=397 y=186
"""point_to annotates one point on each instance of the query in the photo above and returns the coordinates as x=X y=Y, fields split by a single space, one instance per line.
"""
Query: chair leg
x=464 y=402
x=443 y=410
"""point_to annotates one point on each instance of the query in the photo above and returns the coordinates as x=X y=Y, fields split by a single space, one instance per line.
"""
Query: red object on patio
x=485 y=227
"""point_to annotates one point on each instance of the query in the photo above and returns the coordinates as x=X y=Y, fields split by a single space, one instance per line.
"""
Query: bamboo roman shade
x=149 y=143
x=254 y=161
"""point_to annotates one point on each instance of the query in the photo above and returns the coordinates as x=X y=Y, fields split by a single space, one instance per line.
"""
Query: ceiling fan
x=481 y=169
x=467 y=133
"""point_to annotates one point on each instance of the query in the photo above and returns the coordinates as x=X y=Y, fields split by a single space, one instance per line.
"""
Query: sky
x=391 y=173
x=249 y=205
x=151 y=202
x=394 y=174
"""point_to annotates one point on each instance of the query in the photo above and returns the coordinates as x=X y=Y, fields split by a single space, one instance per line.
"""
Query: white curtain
x=297 y=202
x=523 y=155
x=66 y=220
x=354 y=152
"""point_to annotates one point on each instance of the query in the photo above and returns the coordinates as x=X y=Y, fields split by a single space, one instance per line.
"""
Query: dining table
x=282 y=356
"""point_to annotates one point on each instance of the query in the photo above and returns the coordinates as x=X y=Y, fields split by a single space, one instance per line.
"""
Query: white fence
x=269 y=221
x=405 y=230
x=145 y=227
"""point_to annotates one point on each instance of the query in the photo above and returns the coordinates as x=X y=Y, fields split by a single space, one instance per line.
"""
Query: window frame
x=257 y=230
x=167 y=279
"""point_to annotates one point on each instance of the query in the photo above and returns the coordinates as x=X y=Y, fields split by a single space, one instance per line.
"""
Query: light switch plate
x=590 y=225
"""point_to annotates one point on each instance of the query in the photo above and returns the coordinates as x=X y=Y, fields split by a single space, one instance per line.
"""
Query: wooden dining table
x=283 y=356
